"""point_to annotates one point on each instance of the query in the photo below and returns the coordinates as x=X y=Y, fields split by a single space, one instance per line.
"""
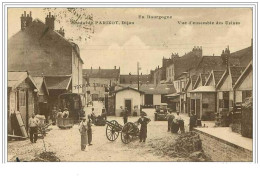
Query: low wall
x=221 y=150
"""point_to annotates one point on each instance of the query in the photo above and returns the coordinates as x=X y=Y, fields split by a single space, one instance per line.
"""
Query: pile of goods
x=46 y=157
x=188 y=143
x=186 y=146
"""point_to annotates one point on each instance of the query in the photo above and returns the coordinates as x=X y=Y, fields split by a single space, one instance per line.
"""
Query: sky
x=146 y=41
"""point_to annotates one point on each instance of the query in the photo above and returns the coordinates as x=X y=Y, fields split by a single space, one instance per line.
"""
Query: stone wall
x=221 y=150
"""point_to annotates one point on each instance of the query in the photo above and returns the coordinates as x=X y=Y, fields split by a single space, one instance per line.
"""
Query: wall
x=227 y=84
x=157 y=99
x=103 y=81
x=221 y=150
x=76 y=73
x=121 y=96
x=247 y=84
x=170 y=73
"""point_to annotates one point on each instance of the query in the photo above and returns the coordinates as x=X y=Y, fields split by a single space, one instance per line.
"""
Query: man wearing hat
x=83 y=132
x=143 y=130
x=170 y=118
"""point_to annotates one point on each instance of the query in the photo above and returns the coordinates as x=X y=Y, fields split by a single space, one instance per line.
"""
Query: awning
x=204 y=89
x=39 y=81
x=173 y=95
x=58 y=82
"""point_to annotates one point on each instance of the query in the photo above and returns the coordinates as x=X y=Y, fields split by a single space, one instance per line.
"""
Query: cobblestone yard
x=66 y=144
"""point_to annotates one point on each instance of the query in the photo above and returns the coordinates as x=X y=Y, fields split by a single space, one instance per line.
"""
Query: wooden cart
x=128 y=132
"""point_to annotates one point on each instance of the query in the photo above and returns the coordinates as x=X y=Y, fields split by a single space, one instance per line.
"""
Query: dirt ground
x=66 y=144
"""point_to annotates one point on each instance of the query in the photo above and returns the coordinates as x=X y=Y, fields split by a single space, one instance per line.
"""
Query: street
x=66 y=143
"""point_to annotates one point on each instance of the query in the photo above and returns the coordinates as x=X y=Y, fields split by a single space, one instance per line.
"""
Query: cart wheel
x=127 y=133
x=111 y=133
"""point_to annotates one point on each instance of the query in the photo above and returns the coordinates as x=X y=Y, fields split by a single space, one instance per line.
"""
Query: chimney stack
x=26 y=20
x=61 y=32
x=115 y=67
x=49 y=21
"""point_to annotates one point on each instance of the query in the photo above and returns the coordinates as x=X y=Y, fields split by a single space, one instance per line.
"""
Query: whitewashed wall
x=132 y=95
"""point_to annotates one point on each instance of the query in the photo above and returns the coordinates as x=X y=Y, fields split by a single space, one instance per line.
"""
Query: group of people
x=85 y=132
x=85 y=127
x=59 y=114
x=175 y=122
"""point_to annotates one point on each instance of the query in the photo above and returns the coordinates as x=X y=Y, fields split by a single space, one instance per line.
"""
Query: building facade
x=99 y=81
x=44 y=51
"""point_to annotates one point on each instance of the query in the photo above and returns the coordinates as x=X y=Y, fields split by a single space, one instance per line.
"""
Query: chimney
x=49 y=21
x=61 y=32
x=99 y=68
x=225 y=56
x=26 y=20
x=115 y=67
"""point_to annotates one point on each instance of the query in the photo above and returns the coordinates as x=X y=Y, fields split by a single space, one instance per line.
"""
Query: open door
x=128 y=105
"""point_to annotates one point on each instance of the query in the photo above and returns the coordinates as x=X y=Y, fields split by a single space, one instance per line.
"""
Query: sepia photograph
x=130 y=84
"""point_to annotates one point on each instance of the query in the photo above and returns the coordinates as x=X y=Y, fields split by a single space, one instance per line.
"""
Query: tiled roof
x=235 y=72
x=209 y=63
x=59 y=82
x=152 y=88
x=101 y=73
x=38 y=49
x=128 y=79
x=217 y=75
x=127 y=88
x=185 y=63
x=15 y=78
x=245 y=55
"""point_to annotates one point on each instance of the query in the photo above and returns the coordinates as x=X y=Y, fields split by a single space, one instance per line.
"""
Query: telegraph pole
x=138 y=75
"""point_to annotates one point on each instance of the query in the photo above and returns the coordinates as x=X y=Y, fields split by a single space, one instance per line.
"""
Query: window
x=22 y=98
x=246 y=94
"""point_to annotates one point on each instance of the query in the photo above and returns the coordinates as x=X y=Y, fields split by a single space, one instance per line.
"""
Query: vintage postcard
x=130 y=84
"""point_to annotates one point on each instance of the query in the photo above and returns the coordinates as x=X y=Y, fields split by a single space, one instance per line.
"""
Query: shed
x=21 y=96
x=129 y=98
x=204 y=98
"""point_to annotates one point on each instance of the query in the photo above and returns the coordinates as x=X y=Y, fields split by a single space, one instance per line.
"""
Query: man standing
x=143 y=130
x=83 y=133
x=33 y=127
x=93 y=116
x=54 y=115
x=193 y=120
x=89 y=130
x=125 y=115
x=170 y=118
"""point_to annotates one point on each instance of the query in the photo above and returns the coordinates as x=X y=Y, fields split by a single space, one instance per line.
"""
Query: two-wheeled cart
x=128 y=132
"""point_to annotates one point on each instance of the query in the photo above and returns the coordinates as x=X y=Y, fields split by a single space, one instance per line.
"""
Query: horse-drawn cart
x=128 y=132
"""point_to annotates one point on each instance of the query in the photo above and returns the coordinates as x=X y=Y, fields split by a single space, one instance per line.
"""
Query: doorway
x=148 y=99
x=198 y=108
x=128 y=105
